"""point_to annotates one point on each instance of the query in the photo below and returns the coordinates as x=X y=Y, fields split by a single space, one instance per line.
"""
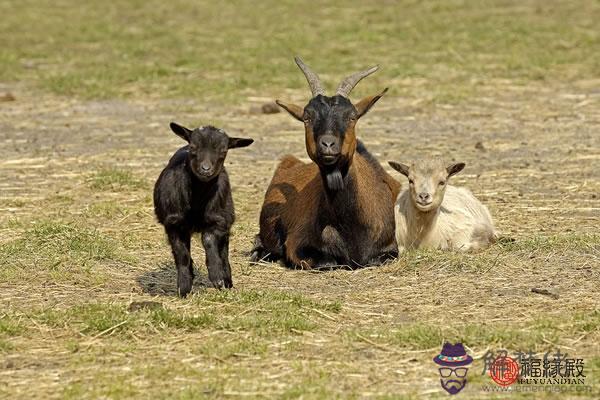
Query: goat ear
x=454 y=169
x=181 y=131
x=402 y=168
x=366 y=103
x=294 y=110
x=239 y=142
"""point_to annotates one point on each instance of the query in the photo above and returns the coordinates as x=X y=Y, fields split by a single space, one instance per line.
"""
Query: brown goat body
x=307 y=225
x=339 y=209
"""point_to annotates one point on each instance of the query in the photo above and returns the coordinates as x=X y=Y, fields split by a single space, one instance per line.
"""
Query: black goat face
x=329 y=127
x=207 y=149
x=329 y=123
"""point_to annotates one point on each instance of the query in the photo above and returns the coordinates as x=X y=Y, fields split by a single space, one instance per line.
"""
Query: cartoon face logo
x=453 y=360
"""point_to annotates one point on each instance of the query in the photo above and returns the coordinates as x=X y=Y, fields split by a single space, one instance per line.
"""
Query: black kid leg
x=211 y=242
x=225 y=260
x=179 y=241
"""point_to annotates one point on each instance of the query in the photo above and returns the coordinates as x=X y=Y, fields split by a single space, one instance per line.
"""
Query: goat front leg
x=296 y=254
x=224 y=253
x=188 y=245
x=213 y=243
x=180 y=246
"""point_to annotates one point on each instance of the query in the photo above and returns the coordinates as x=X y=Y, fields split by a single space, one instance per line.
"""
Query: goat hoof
x=184 y=285
x=184 y=291
x=228 y=283
x=219 y=284
x=258 y=254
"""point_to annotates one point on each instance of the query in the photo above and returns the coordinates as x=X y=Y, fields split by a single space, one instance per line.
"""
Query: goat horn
x=313 y=79
x=348 y=84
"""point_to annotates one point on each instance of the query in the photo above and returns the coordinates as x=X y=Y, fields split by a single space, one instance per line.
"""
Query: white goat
x=433 y=214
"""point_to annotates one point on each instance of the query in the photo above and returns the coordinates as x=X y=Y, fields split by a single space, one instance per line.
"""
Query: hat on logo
x=453 y=355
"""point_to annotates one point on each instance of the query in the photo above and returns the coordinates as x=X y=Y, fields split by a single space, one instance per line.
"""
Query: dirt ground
x=532 y=155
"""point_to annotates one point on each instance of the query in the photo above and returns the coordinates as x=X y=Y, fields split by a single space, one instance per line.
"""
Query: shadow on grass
x=162 y=281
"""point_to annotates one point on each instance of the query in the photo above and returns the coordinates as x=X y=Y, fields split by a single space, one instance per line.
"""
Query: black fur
x=330 y=115
x=192 y=194
x=330 y=118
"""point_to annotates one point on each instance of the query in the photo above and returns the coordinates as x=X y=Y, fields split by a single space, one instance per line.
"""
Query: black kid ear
x=366 y=103
x=181 y=131
x=294 y=110
x=454 y=169
x=402 y=168
x=239 y=142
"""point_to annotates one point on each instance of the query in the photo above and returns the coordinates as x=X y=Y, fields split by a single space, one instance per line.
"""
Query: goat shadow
x=162 y=281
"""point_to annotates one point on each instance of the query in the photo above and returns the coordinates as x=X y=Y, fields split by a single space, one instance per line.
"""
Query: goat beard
x=335 y=180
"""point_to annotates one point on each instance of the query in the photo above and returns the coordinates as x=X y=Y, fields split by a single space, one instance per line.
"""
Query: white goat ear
x=181 y=131
x=402 y=168
x=454 y=169
x=294 y=110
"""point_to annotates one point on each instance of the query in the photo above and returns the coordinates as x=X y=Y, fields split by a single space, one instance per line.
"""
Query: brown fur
x=311 y=146
x=296 y=201
x=339 y=209
x=349 y=144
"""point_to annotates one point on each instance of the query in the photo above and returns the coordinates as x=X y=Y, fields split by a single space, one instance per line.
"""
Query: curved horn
x=348 y=84
x=313 y=79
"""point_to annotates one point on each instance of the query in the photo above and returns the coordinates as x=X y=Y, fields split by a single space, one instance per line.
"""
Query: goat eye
x=411 y=182
x=442 y=183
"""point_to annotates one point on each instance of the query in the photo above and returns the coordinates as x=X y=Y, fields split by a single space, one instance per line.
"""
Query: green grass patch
x=268 y=298
x=88 y=319
x=166 y=319
x=571 y=241
x=268 y=312
x=10 y=326
x=534 y=335
x=105 y=385
x=57 y=251
x=5 y=346
x=260 y=313
x=488 y=259
x=60 y=238
x=107 y=209
x=113 y=179
x=128 y=49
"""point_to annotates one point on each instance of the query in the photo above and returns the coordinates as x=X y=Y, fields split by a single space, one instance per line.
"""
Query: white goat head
x=427 y=180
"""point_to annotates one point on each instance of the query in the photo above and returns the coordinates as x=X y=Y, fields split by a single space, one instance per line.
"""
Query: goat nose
x=327 y=143
x=423 y=196
x=205 y=167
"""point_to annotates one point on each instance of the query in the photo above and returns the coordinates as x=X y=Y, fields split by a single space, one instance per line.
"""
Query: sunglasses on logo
x=459 y=372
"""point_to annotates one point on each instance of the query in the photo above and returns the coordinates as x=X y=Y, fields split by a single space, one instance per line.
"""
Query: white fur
x=461 y=222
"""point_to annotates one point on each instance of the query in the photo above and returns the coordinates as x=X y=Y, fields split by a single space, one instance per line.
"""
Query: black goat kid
x=192 y=194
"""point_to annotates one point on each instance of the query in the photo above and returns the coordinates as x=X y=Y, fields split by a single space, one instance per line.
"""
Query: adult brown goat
x=338 y=210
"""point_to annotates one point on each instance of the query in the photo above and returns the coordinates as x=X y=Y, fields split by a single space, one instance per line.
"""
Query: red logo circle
x=504 y=371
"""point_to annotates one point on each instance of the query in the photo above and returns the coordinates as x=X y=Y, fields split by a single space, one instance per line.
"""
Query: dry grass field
x=512 y=88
